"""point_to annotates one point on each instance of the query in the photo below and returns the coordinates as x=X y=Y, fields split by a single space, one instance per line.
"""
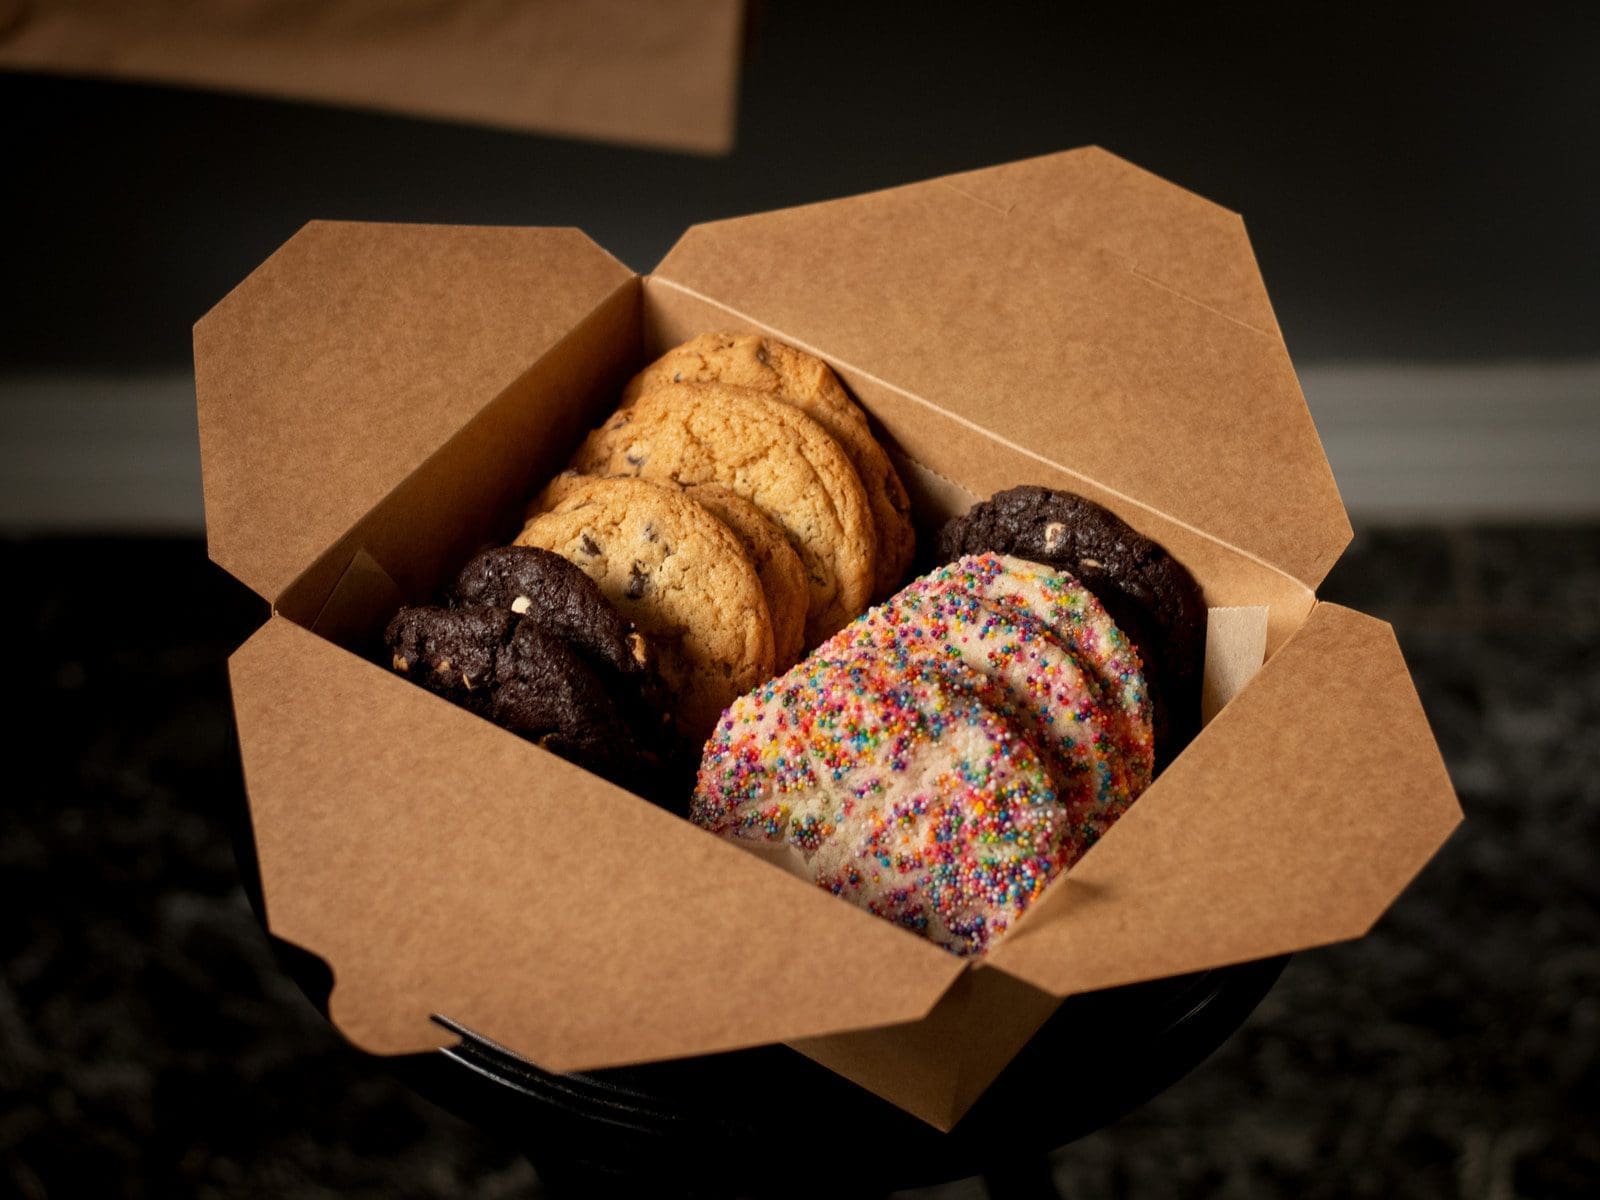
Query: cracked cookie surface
x=450 y=651
x=771 y=454
x=529 y=641
x=557 y=596
x=782 y=574
x=680 y=575
x=765 y=365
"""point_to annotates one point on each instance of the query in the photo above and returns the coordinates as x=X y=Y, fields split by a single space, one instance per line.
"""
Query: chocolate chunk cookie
x=450 y=651
x=773 y=455
x=748 y=360
x=500 y=665
x=1150 y=595
x=547 y=589
x=680 y=575
x=551 y=695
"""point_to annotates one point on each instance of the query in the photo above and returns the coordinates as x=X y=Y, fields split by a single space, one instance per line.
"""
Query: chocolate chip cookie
x=680 y=575
x=1149 y=594
x=764 y=365
x=783 y=575
x=773 y=455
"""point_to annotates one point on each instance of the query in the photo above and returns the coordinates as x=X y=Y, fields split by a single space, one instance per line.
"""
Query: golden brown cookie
x=783 y=575
x=680 y=575
x=771 y=454
x=749 y=360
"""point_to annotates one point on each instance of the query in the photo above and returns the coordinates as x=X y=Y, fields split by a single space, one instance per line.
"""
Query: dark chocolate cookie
x=1150 y=595
x=546 y=692
x=534 y=646
x=451 y=651
x=547 y=589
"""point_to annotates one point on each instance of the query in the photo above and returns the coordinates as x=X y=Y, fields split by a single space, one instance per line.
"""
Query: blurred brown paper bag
x=649 y=72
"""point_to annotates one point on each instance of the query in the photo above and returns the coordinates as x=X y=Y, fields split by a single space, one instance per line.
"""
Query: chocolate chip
x=638 y=581
x=634 y=460
x=589 y=545
x=650 y=534
x=639 y=648
x=761 y=355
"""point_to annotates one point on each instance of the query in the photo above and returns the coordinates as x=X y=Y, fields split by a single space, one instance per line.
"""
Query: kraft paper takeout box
x=377 y=401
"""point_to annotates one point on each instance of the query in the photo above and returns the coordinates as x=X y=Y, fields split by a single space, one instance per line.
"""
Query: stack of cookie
x=943 y=758
x=529 y=641
x=737 y=509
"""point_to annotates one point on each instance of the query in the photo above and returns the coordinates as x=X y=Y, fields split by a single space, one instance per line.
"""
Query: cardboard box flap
x=1293 y=820
x=1179 y=239
x=542 y=906
x=353 y=353
x=1051 y=342
x=938 y=1066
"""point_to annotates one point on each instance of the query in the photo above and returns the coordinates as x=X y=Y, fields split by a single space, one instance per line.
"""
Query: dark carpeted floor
x=149 y=1045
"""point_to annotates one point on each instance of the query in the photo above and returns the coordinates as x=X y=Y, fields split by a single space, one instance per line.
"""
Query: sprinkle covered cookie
x=905 y=792
x=945 y=756
x=1040 y=650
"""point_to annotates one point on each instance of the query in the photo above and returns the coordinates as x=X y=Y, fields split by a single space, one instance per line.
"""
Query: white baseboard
x=99 y=454
x=1455 y=442
x=1408 y=442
